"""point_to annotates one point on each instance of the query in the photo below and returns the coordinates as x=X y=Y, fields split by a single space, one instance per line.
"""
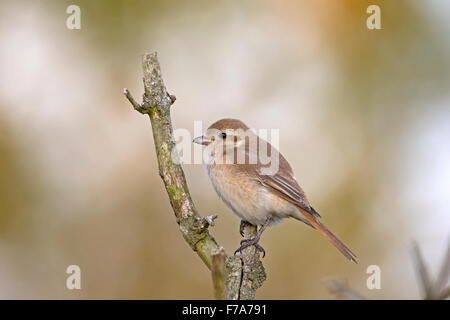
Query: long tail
x=330 y=236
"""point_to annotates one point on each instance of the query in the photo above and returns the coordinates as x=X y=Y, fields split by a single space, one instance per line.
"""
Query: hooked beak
x=202 y=140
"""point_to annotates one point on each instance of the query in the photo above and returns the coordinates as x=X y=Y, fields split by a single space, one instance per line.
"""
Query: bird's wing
x=288 y=188
x=283 y=181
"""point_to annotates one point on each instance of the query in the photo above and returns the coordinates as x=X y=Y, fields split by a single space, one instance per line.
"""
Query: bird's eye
x=224 y=135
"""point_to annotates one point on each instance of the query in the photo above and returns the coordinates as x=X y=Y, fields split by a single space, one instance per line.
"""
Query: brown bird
x=257 y=182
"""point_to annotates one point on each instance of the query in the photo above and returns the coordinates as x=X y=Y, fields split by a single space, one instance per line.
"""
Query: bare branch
x=442 y=279
x=130 y=98
x=344 y=290
x=253 y=274
x=431 y=291
x=444 y=294
x=156 y=103
x=218 y=272
x=421 y=270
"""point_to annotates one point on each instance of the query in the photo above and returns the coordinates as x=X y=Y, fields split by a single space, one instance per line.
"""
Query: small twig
x=339 y=288
x=130 y=98
x=445 y=294
x=218 y=272
x=442 y=278
x=421 y=271
x=431 y=291
x=210 y=220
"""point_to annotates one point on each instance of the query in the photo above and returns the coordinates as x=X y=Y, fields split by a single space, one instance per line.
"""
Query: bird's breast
x=247 y=197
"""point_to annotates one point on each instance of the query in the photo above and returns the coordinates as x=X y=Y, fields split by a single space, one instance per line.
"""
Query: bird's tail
x=330 y=236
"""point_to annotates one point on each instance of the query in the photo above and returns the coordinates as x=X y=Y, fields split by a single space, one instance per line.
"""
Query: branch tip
x=210 y=220
x=172 y=98
x=133 y=102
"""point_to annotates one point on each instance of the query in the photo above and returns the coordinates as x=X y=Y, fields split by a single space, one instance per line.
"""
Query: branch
x=219 y=275
x=439 y=291
x=421 y=271
x=156 y=103
x=344 y=290
x=253 y=274
x=444 y=295
x=436 y=290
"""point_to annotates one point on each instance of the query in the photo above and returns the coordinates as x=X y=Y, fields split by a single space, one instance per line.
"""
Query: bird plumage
x=235 y=166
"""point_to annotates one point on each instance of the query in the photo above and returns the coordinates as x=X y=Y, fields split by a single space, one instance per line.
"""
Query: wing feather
x=289 y=190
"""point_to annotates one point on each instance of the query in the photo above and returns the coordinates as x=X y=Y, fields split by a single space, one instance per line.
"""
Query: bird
x=237 y=163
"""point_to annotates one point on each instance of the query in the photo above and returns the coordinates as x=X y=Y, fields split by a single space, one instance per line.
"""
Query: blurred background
x=364 y=119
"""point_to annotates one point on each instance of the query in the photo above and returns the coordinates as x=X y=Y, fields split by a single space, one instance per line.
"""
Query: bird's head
x=225 y=132
x=226 y=136
x=230 y=141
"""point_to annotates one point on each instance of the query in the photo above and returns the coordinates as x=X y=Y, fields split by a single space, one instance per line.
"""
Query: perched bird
x=238 y=163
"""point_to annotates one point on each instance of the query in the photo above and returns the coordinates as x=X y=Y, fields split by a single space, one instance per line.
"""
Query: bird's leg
x=242 y=225
x=253 y=242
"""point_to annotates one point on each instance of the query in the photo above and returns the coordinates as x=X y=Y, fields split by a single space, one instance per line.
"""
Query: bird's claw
x=250 y=242
x=242 y=226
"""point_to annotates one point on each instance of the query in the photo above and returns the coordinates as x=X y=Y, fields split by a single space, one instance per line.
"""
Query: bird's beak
x=202 y=140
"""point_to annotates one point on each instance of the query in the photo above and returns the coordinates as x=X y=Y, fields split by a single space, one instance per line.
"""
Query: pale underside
x=254 y=197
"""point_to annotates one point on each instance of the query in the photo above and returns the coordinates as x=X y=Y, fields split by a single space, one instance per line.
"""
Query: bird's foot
x=251 y=242
x=242 y=226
